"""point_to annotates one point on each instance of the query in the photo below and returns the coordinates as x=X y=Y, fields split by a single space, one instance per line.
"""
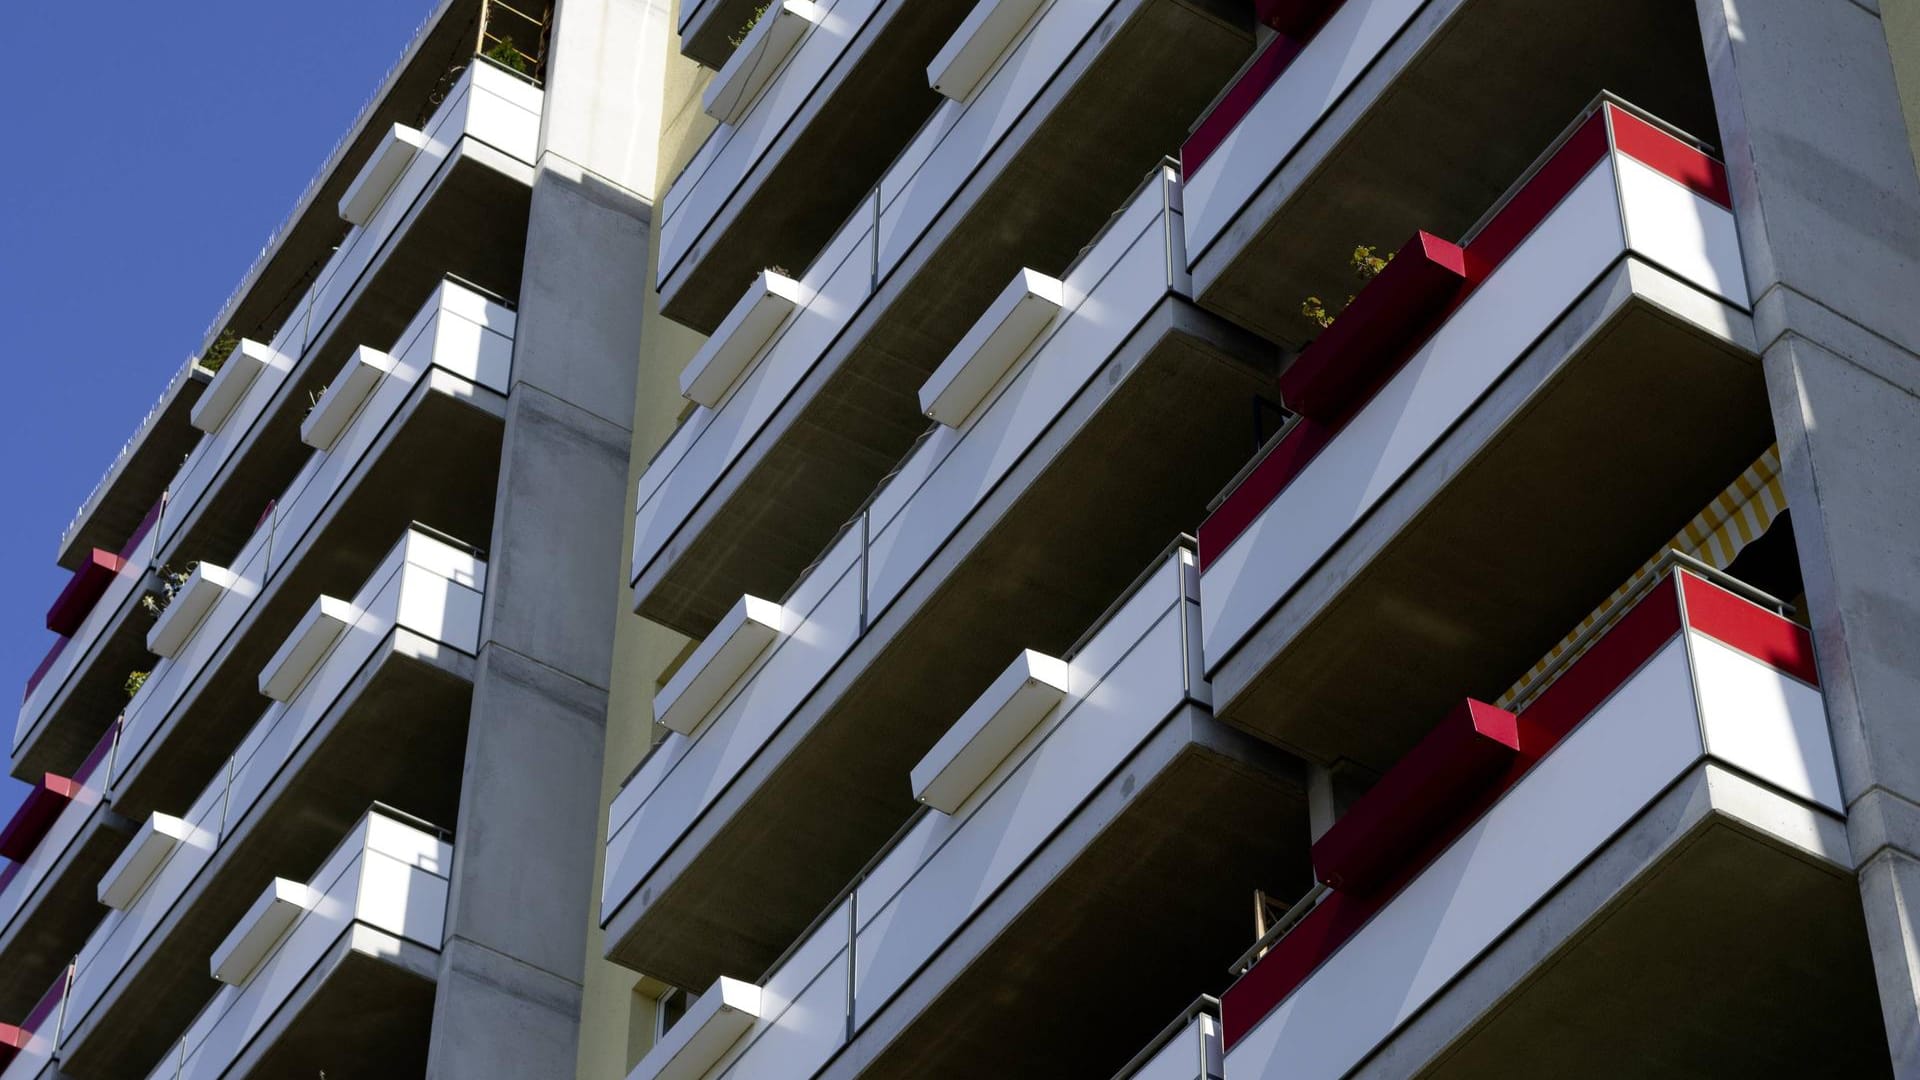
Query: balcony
x=140 y=471
x=78 y=689
x=756 y=482
x=1364 y=120
x=459 y=207
x=26 y=1049
x=845 y=87
x=708 y=27
x=47 y=906
x=1110 y=837
x=1653 y=868
x=302 y=969
x=1077 y=438
x=414 y=435
x=375 y=697
x=1494 y=434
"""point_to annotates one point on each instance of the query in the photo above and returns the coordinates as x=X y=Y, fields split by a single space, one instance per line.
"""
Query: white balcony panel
x=982 y=39
x=128 y=878
x=236 y=959
x=758 y=59
x=1119 y=280
x=718 y=663
x=1003 y=332
x=386 y=877
x=1193 y=1053
x=711 y=1025
x=384 y=167
x=1127 y=680
x=989 y=730
x=1694 y=699
x=343 y=397
x=1548 y=272
x=955 y=140
x=739 y=338
x=486 y=105
x=1676 y=228
x=303 y=650
x=115 y=606
x=191 y=602
x=1270 y=132
x=242 y=368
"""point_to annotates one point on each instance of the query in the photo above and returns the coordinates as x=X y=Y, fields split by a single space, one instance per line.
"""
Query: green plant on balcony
x=1366 y=263
x=135 y=680
x=171 y=582
x=508 y=55
x=753 y=20
x=218 y=352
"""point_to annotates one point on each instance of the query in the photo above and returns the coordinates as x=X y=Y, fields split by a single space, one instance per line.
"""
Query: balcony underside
x=797 y=195
x=95 y=692
x=1591 y=452
x=1114 y=110
x=1127 y=466
x=366 y=1010
x=471 y=222
x=1695 y=944
x=435 y=464
x=137 y=481
x=397 y=735
x=1435 y=132
x=1146 y=887
x=55 y=921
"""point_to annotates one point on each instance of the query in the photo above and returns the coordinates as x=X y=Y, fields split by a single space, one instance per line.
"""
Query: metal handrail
x=1301 y=909
x=1204 y=1005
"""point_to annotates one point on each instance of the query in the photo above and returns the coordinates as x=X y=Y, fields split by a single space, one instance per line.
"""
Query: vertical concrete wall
x=617 y=1006
x=1828 y=203
x=513 y=965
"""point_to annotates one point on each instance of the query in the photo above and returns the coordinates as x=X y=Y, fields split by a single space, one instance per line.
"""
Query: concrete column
x=513 y=961
x=1828 y=204
x=1331 y=789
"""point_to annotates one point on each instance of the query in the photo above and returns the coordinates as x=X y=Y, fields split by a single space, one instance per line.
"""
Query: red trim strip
x=12 y=1041
x=1660 y=151
x=49 y=1003
x=83 y=591
x=1237 y=102
x=1775 y=641
x=1543 y=191
x=1426 y=788
x=35 y=815
x=46 y=665
x=146 y=523
x=1297 y=18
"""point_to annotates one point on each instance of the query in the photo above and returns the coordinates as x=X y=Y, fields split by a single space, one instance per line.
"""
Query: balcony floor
x=1591 y=451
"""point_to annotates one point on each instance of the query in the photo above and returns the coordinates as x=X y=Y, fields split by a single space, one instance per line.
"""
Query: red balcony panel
x=1660 y=151
x=35 y=816
x=1296 y=18
x=83 y=591
x=12 y=1041
x=1380 y=328
x=1419 y=796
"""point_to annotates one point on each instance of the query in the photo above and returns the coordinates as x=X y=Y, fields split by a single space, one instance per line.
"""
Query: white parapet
x=262 y=927
x=739 y=639
x=709 y=1029
x=188 y=608
x=342 y=399
x=382 y=170
x=998 y=338
x=243 y=365
x=318 y=629
x=752 y=65
x=982 y=39
x=124 y=881
x=739 y=338
x=990 y=729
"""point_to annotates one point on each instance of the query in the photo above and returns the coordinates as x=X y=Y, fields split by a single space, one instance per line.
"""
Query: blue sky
x=150 y=151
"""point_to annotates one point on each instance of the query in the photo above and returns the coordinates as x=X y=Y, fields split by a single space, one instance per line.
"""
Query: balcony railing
x=1466 y=425
x=1362 y=120
x=1598 y=802
x=139 y=471
x=812 y=107
x=424 y=421
x=366 y=927
x=1019 y=173
x=1082 y=421
x=389 y=664
x=47 y=907
x=464 y=176
x=1187 y=1049
x=1098 y=772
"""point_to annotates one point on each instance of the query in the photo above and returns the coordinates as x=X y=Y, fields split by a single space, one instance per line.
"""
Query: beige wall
x=1901 y=19
x=616 y=1023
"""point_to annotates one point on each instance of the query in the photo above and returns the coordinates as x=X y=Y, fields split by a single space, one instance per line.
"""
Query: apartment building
x=971 y=538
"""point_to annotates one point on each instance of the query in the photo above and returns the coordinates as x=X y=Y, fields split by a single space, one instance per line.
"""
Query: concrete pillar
x=1331 y=789
x=513 y=960
x=1828 y=204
